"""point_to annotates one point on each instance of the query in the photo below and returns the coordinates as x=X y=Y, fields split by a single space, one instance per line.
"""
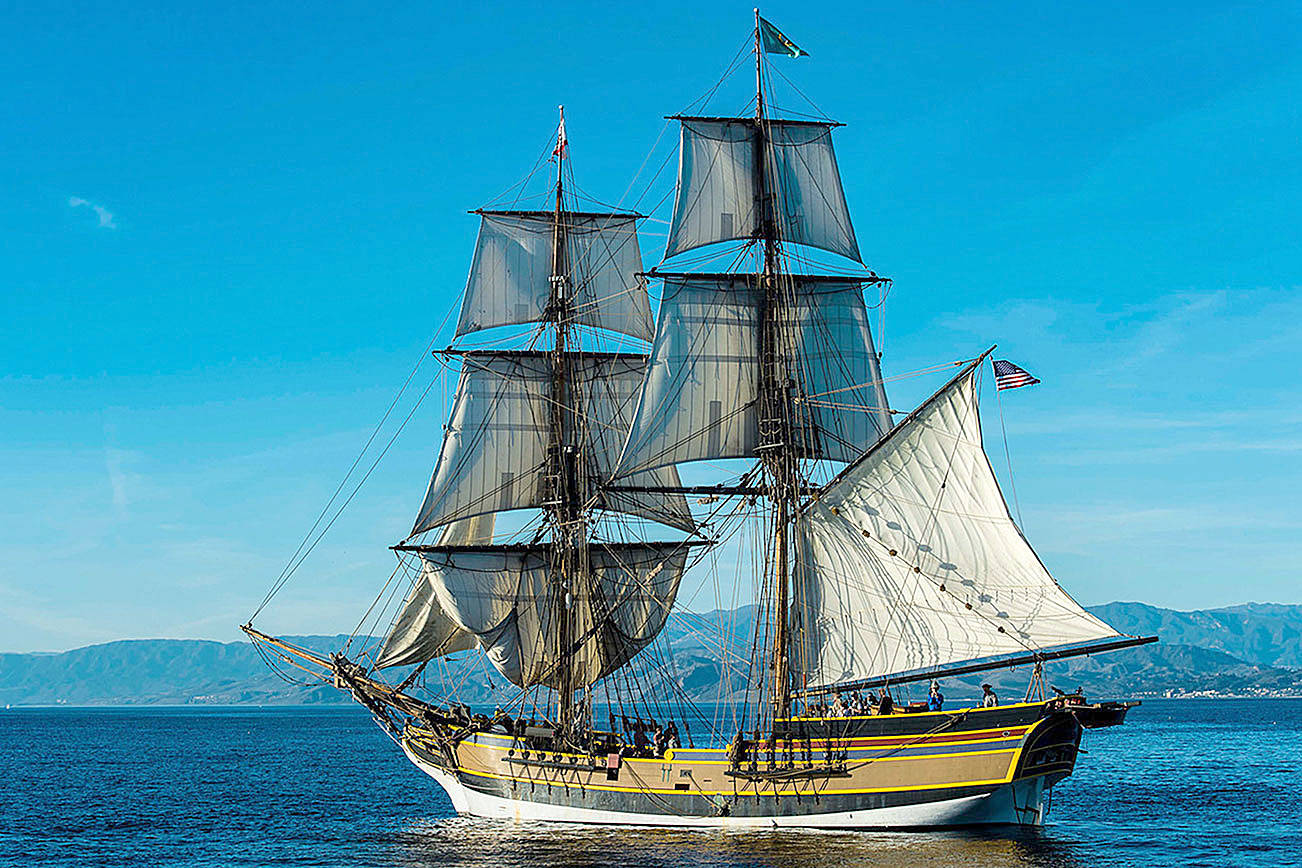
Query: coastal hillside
x=1264 y=634
x=1254 y=649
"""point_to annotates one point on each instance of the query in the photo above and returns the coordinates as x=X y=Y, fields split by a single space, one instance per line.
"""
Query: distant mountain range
x=1254 y=649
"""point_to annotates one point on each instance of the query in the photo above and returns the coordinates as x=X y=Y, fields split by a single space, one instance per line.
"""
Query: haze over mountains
x=1253 y=649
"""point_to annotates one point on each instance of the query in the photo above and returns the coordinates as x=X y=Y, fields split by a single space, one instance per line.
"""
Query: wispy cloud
x=56 y=627
x=1107 y=420
x=104 y=215
x=1168 y=325
x=1177 y=452
x=117 y=480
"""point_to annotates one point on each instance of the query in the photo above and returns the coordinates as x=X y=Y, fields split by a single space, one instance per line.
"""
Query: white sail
x=506 y=597
x=510 y=276
x=494 y=448
x=422 y=630
x=701 y=392
x=494 y=452
x=610 y=397
x=717 y=197
x=909 y=560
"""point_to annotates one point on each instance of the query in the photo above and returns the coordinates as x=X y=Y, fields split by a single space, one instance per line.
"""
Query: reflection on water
x=471 y=842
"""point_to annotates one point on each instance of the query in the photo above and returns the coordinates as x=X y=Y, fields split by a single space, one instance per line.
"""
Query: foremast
x=564 y=477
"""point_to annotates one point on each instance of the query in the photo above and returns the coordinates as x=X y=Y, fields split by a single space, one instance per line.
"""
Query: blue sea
x=1185 y=782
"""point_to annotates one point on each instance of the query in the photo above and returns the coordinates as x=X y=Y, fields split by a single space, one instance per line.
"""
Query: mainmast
x=563 y=465
x=775 y=445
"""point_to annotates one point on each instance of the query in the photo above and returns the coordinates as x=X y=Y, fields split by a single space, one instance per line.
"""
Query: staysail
x=909 y=560
x=701 y=396
x=506 y=597
x=718 y=198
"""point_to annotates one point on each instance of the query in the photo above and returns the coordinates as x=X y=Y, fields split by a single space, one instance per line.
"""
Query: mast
x=563 y=464
x=759 y=71
x=775 y=409
x=538 y=427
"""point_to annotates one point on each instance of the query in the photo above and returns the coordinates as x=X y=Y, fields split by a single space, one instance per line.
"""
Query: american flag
x=1009 y=376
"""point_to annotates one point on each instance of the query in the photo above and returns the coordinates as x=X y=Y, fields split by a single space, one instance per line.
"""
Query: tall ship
x=556 y=532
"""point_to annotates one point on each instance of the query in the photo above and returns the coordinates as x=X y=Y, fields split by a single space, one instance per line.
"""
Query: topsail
x=701 y=399
x=495 y=452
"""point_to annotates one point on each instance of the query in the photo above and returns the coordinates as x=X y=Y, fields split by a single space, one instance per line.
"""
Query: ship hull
x=985 y=768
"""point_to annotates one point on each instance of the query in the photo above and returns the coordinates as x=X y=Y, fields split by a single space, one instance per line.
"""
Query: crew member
x=887 y=705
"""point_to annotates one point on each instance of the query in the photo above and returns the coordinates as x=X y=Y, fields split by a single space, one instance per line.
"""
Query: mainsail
x=909 y=560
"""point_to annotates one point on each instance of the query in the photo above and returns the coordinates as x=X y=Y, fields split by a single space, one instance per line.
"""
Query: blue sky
x=230 y=230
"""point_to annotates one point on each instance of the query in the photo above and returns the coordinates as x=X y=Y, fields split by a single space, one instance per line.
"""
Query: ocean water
x=1185 y=782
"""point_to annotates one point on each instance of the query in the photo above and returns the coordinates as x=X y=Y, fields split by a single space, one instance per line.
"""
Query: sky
x=230 y=231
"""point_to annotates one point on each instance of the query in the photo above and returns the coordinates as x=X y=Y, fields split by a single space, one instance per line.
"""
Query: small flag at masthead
x=776 y=42
x=562 y=143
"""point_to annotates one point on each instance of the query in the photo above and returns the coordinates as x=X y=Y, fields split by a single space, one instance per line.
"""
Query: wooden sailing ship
x=884 y=553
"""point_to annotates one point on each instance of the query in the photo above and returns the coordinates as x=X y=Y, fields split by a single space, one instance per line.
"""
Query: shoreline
x=336 y=706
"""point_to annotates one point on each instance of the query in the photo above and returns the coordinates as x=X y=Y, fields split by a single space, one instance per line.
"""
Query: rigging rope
x=295 y=564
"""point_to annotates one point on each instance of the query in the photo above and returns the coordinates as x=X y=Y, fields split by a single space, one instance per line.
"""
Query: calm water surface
x=1190 y=782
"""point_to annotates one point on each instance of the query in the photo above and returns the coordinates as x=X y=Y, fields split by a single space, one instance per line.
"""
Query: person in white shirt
x=988 y=700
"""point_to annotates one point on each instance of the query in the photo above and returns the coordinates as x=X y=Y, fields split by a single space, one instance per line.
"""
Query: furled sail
x=422 y=630
x=719 y=200
x=700 y=399
x=494 y=454
x=505 y=597
x=909 y=560
x=510 y=276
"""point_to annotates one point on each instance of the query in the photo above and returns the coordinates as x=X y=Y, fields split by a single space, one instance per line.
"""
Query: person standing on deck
x=988 y=699
x=935 y=699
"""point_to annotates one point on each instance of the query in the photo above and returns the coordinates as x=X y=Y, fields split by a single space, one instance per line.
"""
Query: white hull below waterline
x=1020 y=803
